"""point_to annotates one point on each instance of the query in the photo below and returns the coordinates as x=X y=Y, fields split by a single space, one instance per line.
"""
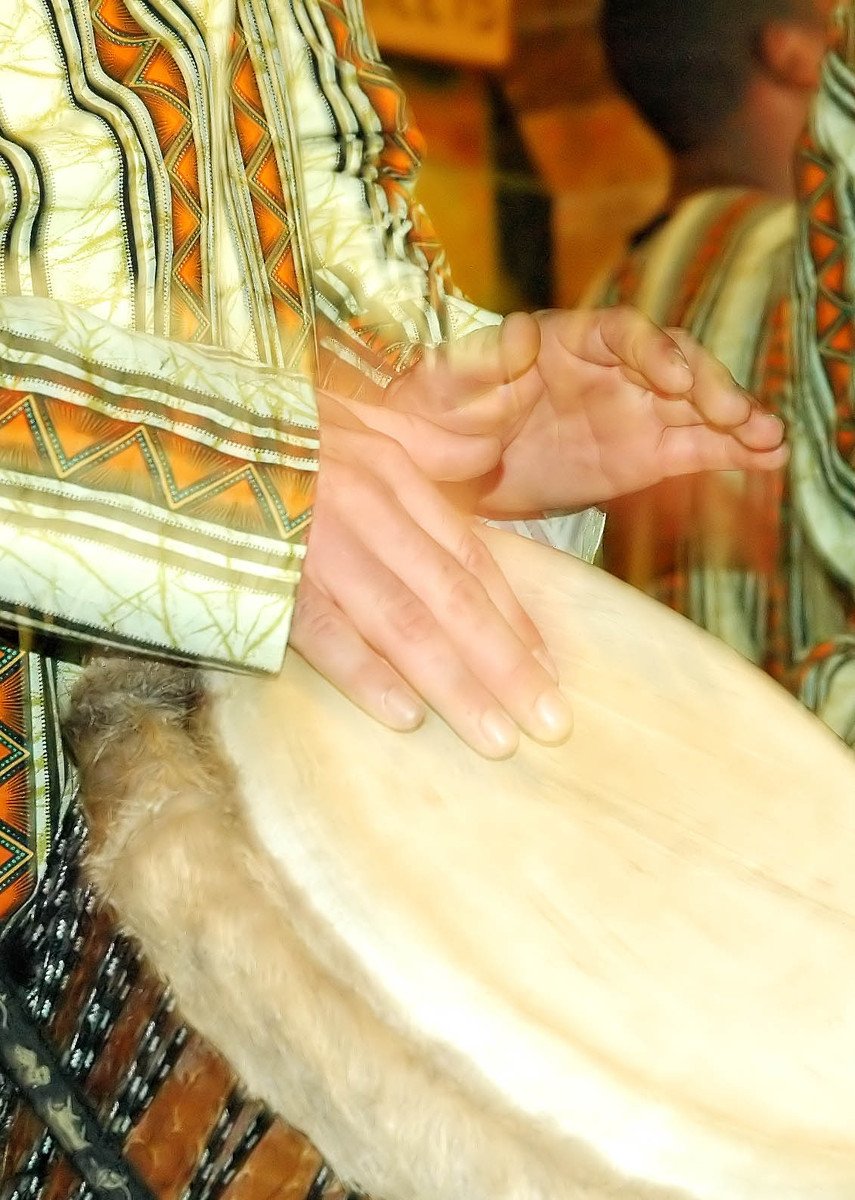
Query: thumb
x=495 y=354
x=475 y=385
x=442 y=454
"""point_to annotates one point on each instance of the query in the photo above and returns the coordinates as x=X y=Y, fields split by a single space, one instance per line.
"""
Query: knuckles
x=316 y=621
x=410 y=619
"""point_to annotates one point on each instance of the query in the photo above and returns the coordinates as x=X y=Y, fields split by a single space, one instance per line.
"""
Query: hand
x=622 y=405
x=400 y=600
x=588 y=406
x=455 y=411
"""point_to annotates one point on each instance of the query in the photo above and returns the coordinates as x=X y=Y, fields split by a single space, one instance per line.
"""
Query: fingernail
x=677 y=356
x=768 y=416
x=545 y=659
x=554 y=716
x=500 y=731
x=403 y=710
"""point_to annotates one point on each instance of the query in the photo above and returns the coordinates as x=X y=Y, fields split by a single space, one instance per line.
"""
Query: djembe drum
x=620 y=968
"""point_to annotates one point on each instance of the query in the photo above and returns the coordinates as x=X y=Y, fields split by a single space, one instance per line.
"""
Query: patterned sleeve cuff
x=153 y=495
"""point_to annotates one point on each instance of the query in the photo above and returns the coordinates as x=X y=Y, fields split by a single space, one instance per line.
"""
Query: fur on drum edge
x=229 y=936
x=604 y=971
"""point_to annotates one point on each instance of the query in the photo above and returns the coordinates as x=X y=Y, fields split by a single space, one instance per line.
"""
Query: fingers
x=714 y=396
x=442 y=454
x=624 y=338
x=688 y=450
x=479 y=385
x=452 y=649
x=496 y=353
x=328 y=640
x=404 y=600
x=672 y=365
x=760 y=430
x=414 y=517
x=720 y=400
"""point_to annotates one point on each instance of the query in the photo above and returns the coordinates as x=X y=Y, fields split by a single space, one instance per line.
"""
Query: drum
x=620 y=968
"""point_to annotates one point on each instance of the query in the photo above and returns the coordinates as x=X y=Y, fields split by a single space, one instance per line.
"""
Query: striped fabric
x=767 y=564
x=201 y=201
x=206 y=211
x=822 y=413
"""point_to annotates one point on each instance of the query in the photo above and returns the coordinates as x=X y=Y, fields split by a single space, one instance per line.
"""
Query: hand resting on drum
x=400 y=599
x=400 y=603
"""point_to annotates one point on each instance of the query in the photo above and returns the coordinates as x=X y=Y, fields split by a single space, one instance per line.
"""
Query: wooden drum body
x=623 y=968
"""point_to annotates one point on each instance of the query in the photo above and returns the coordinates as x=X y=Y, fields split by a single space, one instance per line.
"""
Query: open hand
x=401 y=603
x=587 y=405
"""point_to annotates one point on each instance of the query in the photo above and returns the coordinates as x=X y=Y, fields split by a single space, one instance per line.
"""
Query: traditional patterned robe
x=205 y=210
x=766 y=564
x=199 y=201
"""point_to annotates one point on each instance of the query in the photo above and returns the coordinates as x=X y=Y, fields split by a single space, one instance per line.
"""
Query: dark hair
x=685 y=64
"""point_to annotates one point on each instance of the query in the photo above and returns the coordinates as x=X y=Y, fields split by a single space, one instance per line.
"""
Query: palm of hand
x=596 y=436
x=605 y=420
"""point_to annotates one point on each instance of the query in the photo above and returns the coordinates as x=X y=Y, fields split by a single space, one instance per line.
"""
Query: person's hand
x=587 y=406
x=456 y=410
x=401 y=604
x=621 y=405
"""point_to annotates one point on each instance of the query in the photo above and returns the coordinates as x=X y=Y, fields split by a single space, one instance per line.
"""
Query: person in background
x=754 y=256
x=223 y=318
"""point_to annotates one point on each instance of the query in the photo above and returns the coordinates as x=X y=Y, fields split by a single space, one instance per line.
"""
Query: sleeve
x=379 y=273
x=822 y=402
x=153 y=495
x=383 y=288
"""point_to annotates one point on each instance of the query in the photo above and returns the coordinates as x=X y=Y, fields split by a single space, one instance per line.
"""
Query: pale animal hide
x=621 y=971
x=256 y=974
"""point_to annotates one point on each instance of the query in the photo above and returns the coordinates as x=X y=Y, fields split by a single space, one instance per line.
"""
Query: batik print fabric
x=200 y=200
x=822 y=413
x=768 y=564
x=719 y=266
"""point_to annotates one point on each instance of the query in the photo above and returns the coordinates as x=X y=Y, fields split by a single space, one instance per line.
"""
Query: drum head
x=642 y=940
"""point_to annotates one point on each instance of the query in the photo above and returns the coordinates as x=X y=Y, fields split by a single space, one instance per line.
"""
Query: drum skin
x=622 y=968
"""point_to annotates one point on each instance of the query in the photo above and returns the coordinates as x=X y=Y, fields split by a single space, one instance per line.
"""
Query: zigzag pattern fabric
x=271 y=203
x=17 y=834
x=143 y=64
x=44 y=436
x=185 y=189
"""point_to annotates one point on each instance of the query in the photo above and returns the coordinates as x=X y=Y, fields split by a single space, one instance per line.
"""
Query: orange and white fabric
x=767 y=565
x=200 y=200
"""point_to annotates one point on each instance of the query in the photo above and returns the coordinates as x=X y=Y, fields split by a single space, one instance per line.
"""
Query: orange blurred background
x=536 y=170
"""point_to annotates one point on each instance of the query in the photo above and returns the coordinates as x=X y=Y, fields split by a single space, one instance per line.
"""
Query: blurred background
x=527 y=143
